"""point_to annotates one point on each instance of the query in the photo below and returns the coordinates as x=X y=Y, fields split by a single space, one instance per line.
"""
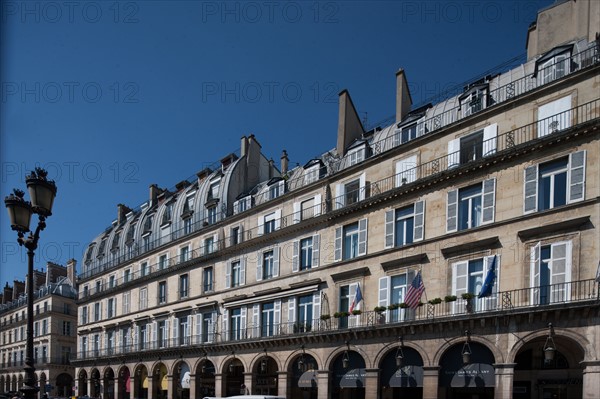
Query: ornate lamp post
x=42 y=193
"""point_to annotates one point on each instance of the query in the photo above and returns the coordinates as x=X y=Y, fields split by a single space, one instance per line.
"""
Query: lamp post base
x=29 y=392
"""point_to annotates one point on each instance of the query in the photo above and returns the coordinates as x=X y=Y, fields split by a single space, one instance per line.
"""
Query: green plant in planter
x=403 y=305
x=393 y=306
x=340 y=314
x=435 y=301
x=467 y=296
x=380 y=309
x=356 y=312
x=450 y=298
x=325 y=317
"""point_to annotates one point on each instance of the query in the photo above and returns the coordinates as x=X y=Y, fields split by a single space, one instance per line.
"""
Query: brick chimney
x=350 y=127
x=403 y=97
x=284 y=162
x=71 y=269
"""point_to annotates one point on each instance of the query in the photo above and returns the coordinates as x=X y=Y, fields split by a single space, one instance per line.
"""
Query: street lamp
x=42 y=193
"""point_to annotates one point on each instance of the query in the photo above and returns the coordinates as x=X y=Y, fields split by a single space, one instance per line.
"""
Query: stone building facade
x=54 y=331
x=305 y=282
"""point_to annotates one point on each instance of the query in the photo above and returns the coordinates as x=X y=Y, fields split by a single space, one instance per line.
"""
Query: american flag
x=413 y=295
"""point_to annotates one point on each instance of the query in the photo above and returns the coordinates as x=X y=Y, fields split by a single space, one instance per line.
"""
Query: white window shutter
x=216 y=243
x=340 y=196
x=277 y=316
x=390 y=226
x=166 y=337
x=576 y=190
x=337 y=253
x=198 y=329
x=352 y=294
x=384 y=291
x=243 y=271
x=259 y=262
x=297 y=216
x=154 y=332
x=530 y=189
x=276 y=262
x=136 y=336
x=248 y=201
x=226 y=333
x=291 y=310
x=243 y=322
x=489 y=201
x=489 y=139
x=228 y=276
x=460 y=281
x=236 y=207
x=175 y=333
x=452 y=211
x=261 y=225
x=281 y=187
x=534 y=260
x=362 y=193
x=317 y=306
x=317 y=206
x=212 y=326
x=277 y=219
x=315 y=250
x=240 y=233
x=189 y=329
x=295 y=256
x=362 y=237
x=256 y=320
x=453 y=153
x=419 y=225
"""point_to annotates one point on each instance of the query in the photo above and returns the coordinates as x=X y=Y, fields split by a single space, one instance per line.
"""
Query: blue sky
x=113 y=96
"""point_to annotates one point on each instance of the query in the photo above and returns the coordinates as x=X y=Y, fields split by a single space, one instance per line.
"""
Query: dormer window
x=474 y=99
x=167 y=215
x=115 y=242
x=356 y=155
x=101 y=248
x=213 y=190
x=276 y=187
x=312 y=171
x=148 y=224
x=129 y=238
x=88 y=255
x=242 y=204
x=188 y=206
x=553 y=65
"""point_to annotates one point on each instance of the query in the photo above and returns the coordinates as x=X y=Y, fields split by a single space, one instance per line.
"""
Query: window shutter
x=317 y=306
x=198 y=333
x=276 y=262
x=351 y=295
x=530 y=189
x=228 y=275
x=136 y=336
x=362 y=237
x=489 y=201
x=337 y=253
x=295 y=256
x=384 y=296
x=175 y=333
x=277 y=219
x=390 y=226
x=405 y=170
x=452 y=211
x=248 y=201
x=188 y=333
x=535 y=273
x=243 y=271
x=315 y=250
x=419 y=225
x=317 y=206
x=166 y=337
x=577 y=176
x=291 y=310
x=460 y=281
x=453 y=153
x=277 y=316
x=261 y=225
x=243 y=323
x=297 y=216
x=240 y=233
x=236 y=207
x=212 y=325
x=256 y=320
x=259 y=262
x=363 y=187
x=489 y=139
x=154 y=332
x=340 y=199
x=216 y=243
x=226 y=333
x=281 y=187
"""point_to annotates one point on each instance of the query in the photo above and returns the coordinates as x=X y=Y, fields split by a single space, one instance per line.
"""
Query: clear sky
x=111 y=96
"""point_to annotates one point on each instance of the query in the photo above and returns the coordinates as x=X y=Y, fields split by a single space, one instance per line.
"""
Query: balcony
x=583 y=293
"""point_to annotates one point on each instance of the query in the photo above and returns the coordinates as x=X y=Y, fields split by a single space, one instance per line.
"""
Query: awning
x=474 y=375
x=407 y=376
x=354 y=378
x=308 y=379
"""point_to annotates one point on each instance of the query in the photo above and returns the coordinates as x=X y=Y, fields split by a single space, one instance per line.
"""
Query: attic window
x=130 y=234
x=276 y=188
x=311 y=174
x=88 y=256
x=356 y=155
x=188 y=206
x=474 y=100
x=148 y=224
x=115 y=242
x=242 y=204
x=553 y=65
x=213 y=191
x=101 y=248
x=167 y=215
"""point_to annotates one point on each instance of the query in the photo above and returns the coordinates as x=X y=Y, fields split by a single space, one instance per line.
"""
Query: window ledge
x=492 y=242
x=563 y=226
x=359 y=272
x=406 y=261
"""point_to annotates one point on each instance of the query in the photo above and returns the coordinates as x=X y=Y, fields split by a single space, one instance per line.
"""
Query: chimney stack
x=122 y=212
x=350 y=127
x=403 y=97
x=71 y=269
x=284 y=162
x=154 y=192
x=244 y=146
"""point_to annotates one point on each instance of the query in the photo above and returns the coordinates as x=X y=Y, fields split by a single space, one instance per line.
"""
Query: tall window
x=66 y=328
x=471 y=206
x=187 y=226
x=184 y=254
x=307 y=209
x=127 y=275
x=207 y=279
x=110 y=305
x=84 y=315
x=183 y=286
x=351 y=240
x=352 y=192
x=207 y=329
x=110 y=342
x=111 y=282
x=469 y=211
x=267 y=265
x=305 y=313
x=235 y=235
x=126 y=301
x=162 y=333
x=162 y=261
x=143 y=336
x=268 y=320
x=125 y=332
x=162 y=292
x=306 y=253
x=552 y=184
x=236 y=274
x=184 y=330
x=97 y=311
x=269 y=225
x=551 y=272
x=235 y=324
x=344 y=305
x=212 y=215
x=144 y=269
x=209 y=245
x=404 y=226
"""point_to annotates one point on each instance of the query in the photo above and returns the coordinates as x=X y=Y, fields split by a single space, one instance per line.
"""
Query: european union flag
x=488 y=284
